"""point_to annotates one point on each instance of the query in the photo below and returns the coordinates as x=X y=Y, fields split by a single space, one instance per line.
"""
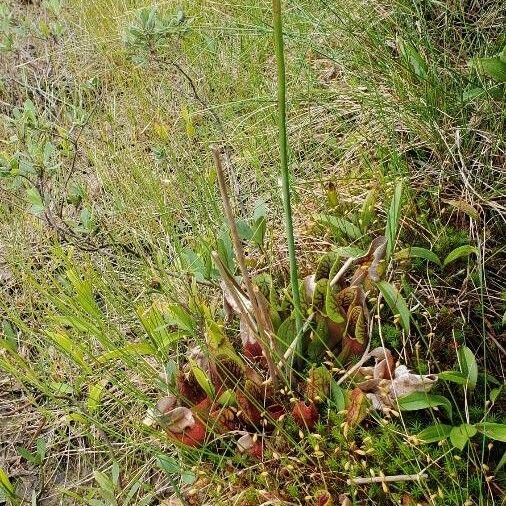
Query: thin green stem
x=285 y=178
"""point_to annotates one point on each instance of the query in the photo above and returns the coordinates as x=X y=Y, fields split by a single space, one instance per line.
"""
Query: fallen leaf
x=383 y=385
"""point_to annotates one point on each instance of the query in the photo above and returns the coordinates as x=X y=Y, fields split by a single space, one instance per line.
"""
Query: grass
x=375 y=94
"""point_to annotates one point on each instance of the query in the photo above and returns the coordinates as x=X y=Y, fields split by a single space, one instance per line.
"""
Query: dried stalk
x=386 y=479
x=241 y=260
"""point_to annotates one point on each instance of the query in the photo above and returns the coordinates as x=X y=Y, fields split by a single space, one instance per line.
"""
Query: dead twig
x=386 y=479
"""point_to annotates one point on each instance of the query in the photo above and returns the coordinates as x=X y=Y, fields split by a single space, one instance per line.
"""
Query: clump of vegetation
x=158 y=347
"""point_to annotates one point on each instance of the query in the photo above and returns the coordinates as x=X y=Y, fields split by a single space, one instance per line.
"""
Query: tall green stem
x=278 y=38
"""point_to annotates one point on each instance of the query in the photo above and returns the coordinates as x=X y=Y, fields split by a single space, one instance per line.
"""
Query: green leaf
x=34 y=198
x=202 y=379
x=349 y=251
x=495 y=393
x=72 y=349
x=423 y=400
x=182 y=318
x=115 y=473
x=461 y=251
x=492 y=67
x=156 y=325
x=104 y=481
x=396 y=303
x=41 y=448
x=286 y=333
x=244 y=230
x=331 y=308
x=259 y=223
x=417 y=252
x=339 y=226
x=131 y=350
x=459 y=436
x=60 y=388
x=325 y=265
x=493 y=430
x=30 y=457
x=413 y=58
x=501 y=463
x=168 y=464
x=435 y=433
x=453 y=376
x=393 y=217
x=226 y=250
x=95 y=394
x=188 y=477
x=227 y=398
x=502 y=55
x=337 y=395
x=468 y=365
x=5 y=484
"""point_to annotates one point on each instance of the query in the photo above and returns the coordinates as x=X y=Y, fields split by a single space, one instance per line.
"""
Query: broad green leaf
x=60 y=388
x=30 y=457
x=188 y=477
x=435 y=433
x=319 y=294
x=502 y=55
x=417 y=252
x=226 y=250
x=194 y=264
x=339 y=226
x=349 y=251
x=331 y=308
x=393 y=217
x=34 y=198
x=493 y=430
x=412 y=57
x=131 y=350
x=453 y=376
x=423 y=400
x=202 y=379
x=461 y=251
x=492 y=67
x=468 y=365
x=244 y=230
x=95 y=394
x=168 y=464
x=325 y=265
x=495 y=393
x=337 y=395
x=41 y=448
x=396 y=303
x=287 y=332
x=459 y=436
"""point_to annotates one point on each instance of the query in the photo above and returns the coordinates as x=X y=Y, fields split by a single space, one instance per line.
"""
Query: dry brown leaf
x=387 y=384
